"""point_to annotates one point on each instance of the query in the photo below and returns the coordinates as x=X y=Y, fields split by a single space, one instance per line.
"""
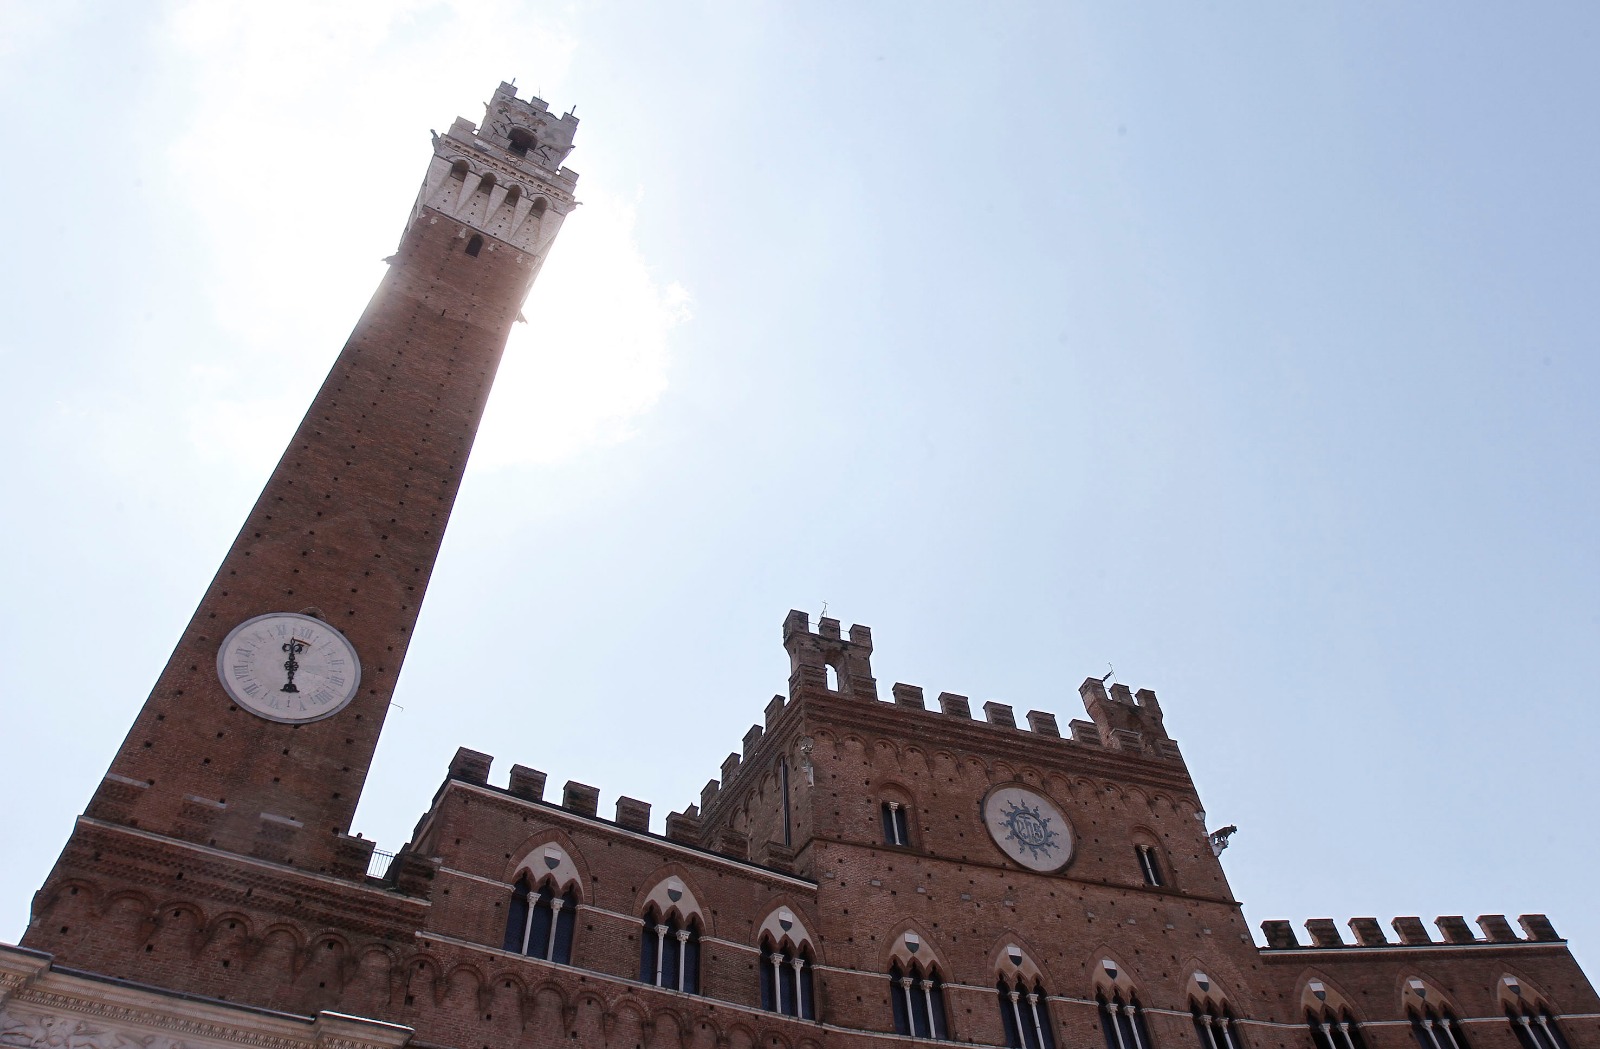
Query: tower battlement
x=526 y=130
x=828 y=661
x=1411 y=932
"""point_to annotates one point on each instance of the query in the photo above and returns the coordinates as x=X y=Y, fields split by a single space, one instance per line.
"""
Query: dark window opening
x=1335 y=1030
x=1149 y=866
x=1437 y=1029
x=783 y=787
x=1024 y=1015
x=786 y=985
x=1122 y=1022
x=521 y=142
x=1215 y=1027
x=917 y=998
x=539 y=923
x=1535 y=1028
x=669 y=953
x=896 y=826
x=474 y=245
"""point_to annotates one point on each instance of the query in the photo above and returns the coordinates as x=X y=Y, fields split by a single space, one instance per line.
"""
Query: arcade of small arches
x=487 y=182
x=493 y=202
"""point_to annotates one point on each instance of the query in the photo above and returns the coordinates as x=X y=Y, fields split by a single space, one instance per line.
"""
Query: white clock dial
x=284 y=666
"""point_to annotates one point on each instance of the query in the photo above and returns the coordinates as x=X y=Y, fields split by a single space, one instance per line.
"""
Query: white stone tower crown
x=505 y=180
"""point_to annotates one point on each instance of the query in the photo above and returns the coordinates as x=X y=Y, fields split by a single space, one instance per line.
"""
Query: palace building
x=870 y=868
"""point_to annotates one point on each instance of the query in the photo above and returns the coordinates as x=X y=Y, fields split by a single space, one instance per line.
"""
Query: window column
x=797 y=963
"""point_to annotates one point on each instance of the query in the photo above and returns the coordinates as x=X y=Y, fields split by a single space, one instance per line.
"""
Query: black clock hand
x=293 y=646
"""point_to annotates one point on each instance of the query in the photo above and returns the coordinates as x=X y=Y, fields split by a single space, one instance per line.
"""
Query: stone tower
x=347 y=528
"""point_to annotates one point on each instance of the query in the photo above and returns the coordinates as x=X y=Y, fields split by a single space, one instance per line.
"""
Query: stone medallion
x=1028 y=827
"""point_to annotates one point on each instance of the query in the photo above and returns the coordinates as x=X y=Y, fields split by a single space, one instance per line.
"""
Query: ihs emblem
x=1029 y=828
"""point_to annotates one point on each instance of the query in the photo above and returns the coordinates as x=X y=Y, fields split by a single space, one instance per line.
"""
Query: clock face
x=284 y=666
x=1028 y=827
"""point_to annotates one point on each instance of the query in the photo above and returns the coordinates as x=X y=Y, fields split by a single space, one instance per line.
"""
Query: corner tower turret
x=1126 y=720
x=827 y=661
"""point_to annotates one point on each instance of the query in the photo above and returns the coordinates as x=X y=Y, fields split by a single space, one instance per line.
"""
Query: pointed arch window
x=916 y=995
x=1436 y=1028
x=1214 y=1024
x=1122 y=1022
x=669 y=952
x=541 y=920
x=1535 y=1027
x=786 y=983
x=1024 y=1014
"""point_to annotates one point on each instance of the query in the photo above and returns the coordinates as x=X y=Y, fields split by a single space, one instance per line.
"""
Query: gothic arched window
x=1122 y=1022
x=541 y=920
x=1024 y=1015
x=916 y=996
x=669 y=952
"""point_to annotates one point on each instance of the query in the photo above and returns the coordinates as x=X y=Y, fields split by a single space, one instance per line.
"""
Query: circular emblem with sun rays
x=1028 y=828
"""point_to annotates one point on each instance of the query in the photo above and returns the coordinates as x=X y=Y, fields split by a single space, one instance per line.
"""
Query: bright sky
x=1248 y=348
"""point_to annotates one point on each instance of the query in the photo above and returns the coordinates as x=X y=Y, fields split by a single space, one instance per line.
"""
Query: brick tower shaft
x=350 y=522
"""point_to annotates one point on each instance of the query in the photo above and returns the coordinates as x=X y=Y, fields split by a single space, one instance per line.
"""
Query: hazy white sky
x=1248 y=348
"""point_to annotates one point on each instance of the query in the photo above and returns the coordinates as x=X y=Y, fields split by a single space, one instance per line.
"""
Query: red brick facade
x=215 y=859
